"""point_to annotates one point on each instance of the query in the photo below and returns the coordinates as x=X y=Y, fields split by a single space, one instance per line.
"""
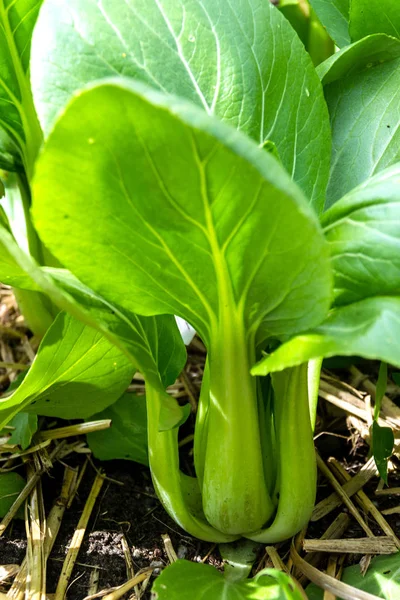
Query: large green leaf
x=127 y=437
x=184 y=579
x=75 y=373
x=374 y=16
x=20 y=134
x=238 y=60
x=334 y=15
x=382 y=579
x=365 y=120
x=369 y=52
x=192 y=241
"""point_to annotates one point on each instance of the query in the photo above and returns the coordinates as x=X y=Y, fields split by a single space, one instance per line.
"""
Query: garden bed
x=128 y=527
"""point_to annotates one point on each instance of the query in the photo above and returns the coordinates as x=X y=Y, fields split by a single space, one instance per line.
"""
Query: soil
x=131 y=510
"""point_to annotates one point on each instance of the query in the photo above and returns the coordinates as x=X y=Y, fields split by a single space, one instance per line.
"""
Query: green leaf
x=382 y=447
x=153 y=343
x=365 y=124
x=11 y=272
x=371 y=51
x=75 y=372
x=20 y=134
x=137 y=337
x=364 y=238
x=374 y=16
x=334 y=15
x=183 y=579
x=239 y=558
x=37 y=310
x=25 y=426
x=241 y=61
x=127 y=437
x=396 y=378
x=369 y=328
x=159 y=265
x=11 y=484
x=382 y=579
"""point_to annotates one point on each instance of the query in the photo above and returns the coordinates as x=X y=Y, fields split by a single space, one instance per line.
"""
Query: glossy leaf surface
x=364 y=237
x=138 y=248
x=365 y=121
x=75 y=372
x=241 y=61
x=370 y=51
x=363 y=233
x=374 y=16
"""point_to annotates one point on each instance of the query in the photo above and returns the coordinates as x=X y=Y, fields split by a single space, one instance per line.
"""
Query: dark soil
x=131 y=509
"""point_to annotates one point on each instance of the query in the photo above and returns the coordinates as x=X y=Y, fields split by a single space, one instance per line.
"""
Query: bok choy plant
x=184 y=171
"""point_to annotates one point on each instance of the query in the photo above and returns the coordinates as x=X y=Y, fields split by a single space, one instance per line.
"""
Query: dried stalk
x=343 y=590
x=169 y=549
x=351 y=486
x=369 y=545
x=345 y=498
x=73 y=430
x=77 y=539
x=365 y=503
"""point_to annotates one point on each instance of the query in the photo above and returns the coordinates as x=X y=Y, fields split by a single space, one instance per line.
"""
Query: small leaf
x=382 y=447
x=369 y=52
x=239 y=558
x=382 y=579
x=11 y=484
x=127 y=437
x=25 y=426
x=184 y=579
